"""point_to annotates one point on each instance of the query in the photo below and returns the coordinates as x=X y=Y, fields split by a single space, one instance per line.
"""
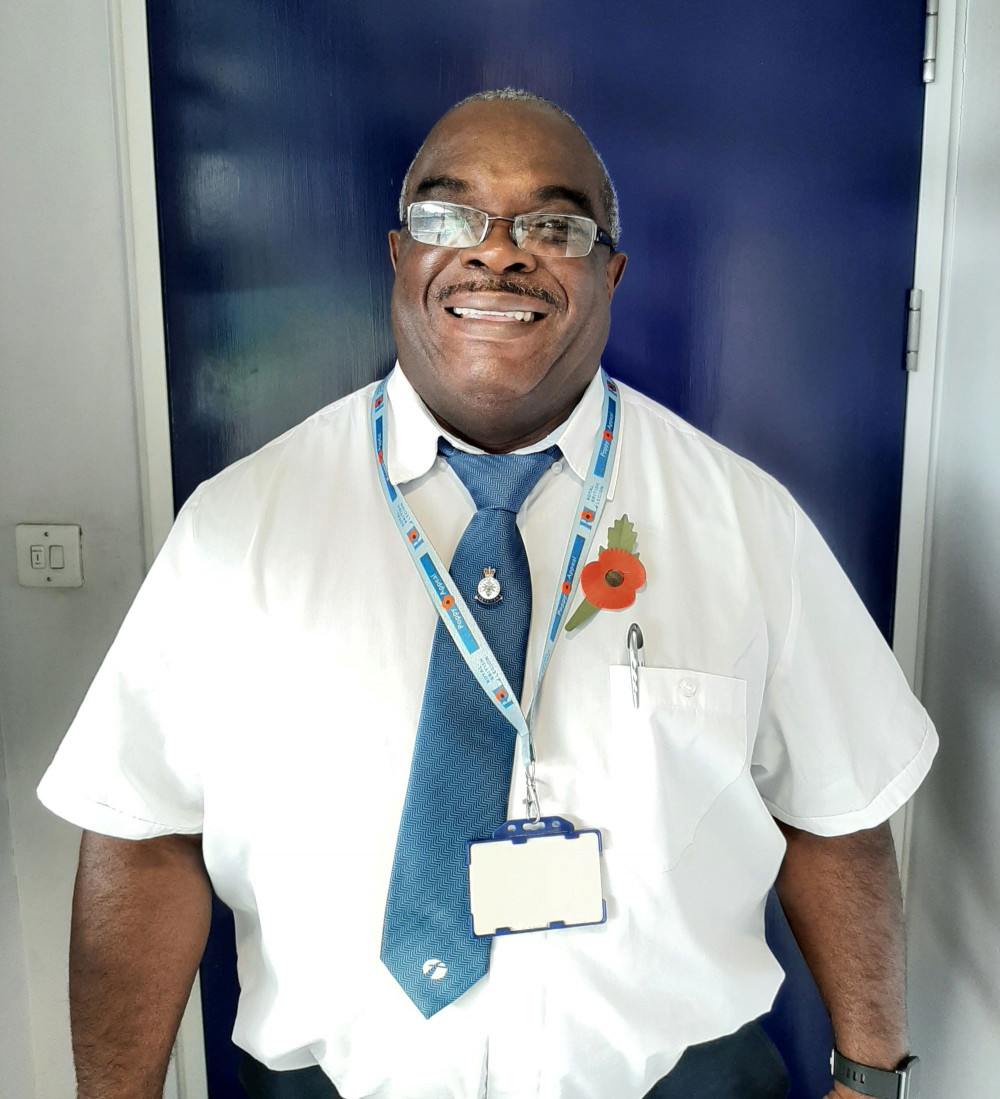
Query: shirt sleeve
x=842 y=742
x=128 y=767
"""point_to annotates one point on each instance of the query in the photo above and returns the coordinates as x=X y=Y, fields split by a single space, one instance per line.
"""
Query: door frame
x=133 y=113
x=932 y=268
x=932 y=276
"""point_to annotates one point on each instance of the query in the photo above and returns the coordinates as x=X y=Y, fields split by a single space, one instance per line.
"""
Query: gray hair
x=608 y=195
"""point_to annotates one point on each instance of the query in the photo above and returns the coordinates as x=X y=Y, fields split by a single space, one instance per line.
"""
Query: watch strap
x=880 y=1083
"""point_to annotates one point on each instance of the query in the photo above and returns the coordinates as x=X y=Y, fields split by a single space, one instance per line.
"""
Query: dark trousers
x=744 y=1065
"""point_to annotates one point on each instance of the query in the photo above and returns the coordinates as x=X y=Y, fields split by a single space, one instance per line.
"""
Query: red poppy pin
x=610 y=582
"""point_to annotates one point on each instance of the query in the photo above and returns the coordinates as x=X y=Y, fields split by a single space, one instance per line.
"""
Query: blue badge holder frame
x=521 y=881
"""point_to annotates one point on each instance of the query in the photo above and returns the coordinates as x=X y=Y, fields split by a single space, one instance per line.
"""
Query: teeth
x=517 y=316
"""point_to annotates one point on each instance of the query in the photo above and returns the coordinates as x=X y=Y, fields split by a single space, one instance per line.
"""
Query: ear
x=394 y=246
x=614 y=271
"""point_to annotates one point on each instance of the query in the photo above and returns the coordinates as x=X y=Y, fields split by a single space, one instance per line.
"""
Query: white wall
x=954 y=885
x=67 y=454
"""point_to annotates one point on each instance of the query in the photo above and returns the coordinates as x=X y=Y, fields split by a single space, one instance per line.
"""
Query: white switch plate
x=37 y=565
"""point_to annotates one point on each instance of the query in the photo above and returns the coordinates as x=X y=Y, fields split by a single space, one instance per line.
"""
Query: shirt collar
x=414 y=433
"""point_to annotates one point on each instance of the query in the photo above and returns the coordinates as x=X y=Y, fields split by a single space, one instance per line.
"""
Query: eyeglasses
x=556 y=236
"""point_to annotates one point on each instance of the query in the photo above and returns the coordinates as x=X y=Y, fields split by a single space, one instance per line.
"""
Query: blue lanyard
x=452 y=608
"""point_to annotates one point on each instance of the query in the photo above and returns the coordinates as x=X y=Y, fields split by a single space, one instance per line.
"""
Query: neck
x=505 y=441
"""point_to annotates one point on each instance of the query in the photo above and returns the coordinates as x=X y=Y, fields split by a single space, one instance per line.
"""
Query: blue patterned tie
x=460 y=774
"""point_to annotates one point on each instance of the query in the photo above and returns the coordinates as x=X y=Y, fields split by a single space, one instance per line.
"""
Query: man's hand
x=842 y=900
x=141 y=912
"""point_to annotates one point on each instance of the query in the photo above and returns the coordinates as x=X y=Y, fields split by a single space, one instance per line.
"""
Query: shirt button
x=557 y=467
x=688 y=688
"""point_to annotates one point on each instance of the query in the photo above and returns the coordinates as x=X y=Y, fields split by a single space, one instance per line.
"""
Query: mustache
x=499 y=286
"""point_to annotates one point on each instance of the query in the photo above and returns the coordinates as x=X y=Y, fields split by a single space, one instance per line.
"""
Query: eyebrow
x=440 y=183
x=555 y=192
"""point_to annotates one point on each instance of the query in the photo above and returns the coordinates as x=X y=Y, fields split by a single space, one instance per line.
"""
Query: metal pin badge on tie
x=488 y=589
x=635 y=660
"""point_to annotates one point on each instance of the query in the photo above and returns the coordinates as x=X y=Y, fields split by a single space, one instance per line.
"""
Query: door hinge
x=913 y=328
x=930 y=40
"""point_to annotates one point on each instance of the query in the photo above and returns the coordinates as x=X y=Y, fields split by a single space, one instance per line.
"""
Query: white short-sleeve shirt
x=265 y=689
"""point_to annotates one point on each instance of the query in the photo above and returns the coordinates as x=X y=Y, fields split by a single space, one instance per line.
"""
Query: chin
x=491 y=410
x=493 y=380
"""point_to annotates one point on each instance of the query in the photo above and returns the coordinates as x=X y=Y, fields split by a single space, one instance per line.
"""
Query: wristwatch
x=881 y=1083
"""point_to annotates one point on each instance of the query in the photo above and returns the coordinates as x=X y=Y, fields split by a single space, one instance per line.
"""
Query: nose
x=498 y=252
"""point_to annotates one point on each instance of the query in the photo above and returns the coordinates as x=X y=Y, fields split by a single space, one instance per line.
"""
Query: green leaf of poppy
x=581 y=614
x=621 y=535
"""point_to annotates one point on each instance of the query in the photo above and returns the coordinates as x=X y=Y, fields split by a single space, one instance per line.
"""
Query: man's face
x=501 y=382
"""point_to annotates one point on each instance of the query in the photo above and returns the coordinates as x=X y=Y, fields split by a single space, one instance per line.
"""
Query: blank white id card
x=535 y=878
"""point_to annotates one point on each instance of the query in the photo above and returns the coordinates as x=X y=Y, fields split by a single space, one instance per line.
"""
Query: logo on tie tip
x=435 y=969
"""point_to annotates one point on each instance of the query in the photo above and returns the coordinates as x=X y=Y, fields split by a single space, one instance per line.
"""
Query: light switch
x=49 y=555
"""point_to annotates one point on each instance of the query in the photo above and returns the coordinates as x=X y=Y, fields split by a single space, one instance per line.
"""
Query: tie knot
x=498 y=480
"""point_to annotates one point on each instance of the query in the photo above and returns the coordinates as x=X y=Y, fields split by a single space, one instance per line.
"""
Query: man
x=283 y=693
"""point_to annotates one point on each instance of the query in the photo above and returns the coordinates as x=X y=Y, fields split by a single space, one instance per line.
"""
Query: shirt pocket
x=669 y=758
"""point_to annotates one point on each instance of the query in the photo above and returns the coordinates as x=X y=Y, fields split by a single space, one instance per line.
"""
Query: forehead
x=510 y=149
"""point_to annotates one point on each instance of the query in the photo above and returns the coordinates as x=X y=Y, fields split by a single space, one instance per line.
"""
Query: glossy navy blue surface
x=766 y=157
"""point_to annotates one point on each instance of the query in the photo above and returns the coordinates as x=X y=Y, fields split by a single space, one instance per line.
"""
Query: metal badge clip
x=531 y=803
x=635 y=659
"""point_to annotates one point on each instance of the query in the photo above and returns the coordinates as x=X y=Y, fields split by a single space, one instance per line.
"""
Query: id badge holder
x=535 y=876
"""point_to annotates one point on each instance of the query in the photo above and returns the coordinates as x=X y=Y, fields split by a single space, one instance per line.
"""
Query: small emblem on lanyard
x=488 y=589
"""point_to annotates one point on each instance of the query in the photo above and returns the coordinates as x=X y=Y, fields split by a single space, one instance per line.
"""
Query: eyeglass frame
x=599 y=233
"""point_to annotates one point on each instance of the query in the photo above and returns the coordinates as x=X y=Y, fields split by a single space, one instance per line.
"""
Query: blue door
x=767 y=159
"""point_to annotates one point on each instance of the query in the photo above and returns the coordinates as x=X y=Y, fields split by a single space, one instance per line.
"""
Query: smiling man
x=382 y=690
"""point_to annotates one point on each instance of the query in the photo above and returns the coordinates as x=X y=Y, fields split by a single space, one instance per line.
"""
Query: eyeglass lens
x=448 y=225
